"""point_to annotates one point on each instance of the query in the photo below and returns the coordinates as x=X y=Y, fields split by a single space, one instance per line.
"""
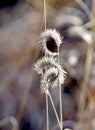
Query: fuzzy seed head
x=50 y=41
x=45 y=63
x=53 y=77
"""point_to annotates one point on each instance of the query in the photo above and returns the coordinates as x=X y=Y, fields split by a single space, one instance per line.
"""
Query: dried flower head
x=46 y=63
x=50 y=41
x=53 y=77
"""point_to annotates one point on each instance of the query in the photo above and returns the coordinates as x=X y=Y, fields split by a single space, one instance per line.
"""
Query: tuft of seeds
x=45 y=63
x=53 y=77
x=50 y=41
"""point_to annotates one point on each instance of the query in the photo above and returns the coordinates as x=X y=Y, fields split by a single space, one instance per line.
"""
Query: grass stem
x=60 y=97
x=54 y=109
x=47 y=113
x=84 y=85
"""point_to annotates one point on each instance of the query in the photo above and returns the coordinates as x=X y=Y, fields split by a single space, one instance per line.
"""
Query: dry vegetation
x=21 y=102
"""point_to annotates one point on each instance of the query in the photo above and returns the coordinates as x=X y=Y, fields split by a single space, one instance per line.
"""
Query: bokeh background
x=21 y=101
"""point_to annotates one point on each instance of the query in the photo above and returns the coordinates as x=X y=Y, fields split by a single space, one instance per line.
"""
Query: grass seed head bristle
x=52 y=78
x=53 y=75
x=44 y=87
x=45 y=63
x=50 y=41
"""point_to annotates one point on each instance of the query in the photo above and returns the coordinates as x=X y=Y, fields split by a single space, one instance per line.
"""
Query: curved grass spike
x=53 y=77
x=50 y=41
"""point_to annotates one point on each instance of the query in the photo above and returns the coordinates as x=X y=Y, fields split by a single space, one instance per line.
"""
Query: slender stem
x=54 y=109
x=47 y=113
x=45 y=20
x=85 y=8
x=45 y=14
x=83 y=94
x=23 y=104
x=60 y=97
x=89 y=58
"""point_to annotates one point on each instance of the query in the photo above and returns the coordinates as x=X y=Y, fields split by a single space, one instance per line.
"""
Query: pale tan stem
x=84 y=7
x=60 y=97
x=47 y=113
x=45 y=20
x=23 y=104
x=84 y=85
x=54 y=108
x=45 y=14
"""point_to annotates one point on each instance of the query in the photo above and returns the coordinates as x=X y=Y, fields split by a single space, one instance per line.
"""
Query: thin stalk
x=85 y=8
x=54 y=109
x=45 y=14
x=60 y=96
x=45 y=20
x=47 y=113
x=23 y=104
x=88 y=64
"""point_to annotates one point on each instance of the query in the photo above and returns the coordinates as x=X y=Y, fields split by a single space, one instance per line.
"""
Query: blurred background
x=21 y=102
